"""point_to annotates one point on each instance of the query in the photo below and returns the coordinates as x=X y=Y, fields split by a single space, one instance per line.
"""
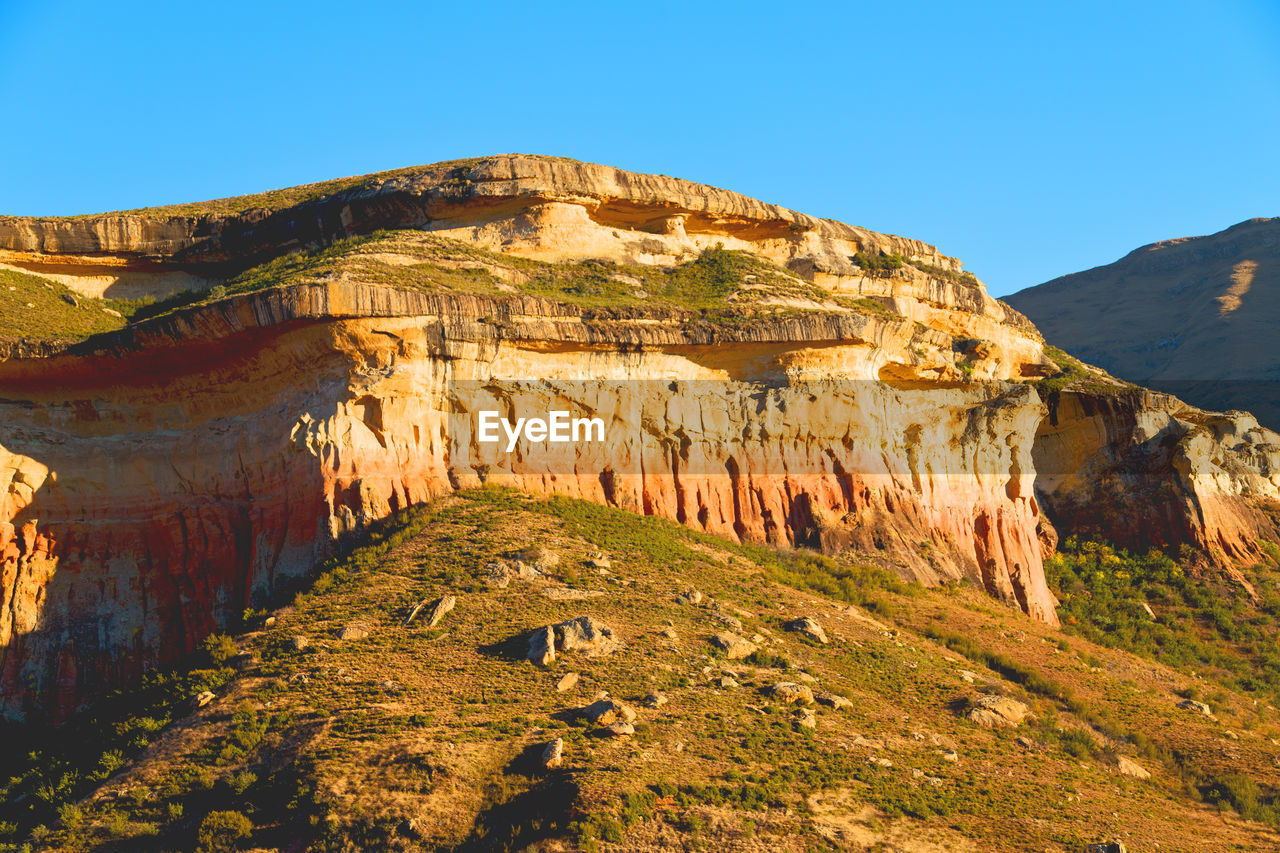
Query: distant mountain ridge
x=1194 y=316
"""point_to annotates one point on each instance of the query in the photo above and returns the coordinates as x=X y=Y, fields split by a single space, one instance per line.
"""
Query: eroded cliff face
x=161 y=482
x=1144 y=470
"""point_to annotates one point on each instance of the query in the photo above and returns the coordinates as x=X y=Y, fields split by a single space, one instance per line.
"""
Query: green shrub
x=1213 y=629
x=219 y=648
x=880 y=265
x=222 y=832
x=1241 y=793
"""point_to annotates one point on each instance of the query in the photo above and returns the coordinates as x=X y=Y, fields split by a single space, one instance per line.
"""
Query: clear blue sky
x=1030 y=139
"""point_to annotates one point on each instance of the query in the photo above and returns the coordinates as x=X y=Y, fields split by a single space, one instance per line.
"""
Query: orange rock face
x=1143 y=470
x=156 y=488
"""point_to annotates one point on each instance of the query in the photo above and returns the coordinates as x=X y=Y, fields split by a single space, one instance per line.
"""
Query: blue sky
x=1029 y=139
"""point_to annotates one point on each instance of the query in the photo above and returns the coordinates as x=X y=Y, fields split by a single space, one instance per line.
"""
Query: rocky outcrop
x=539 y=207
x=476 y=193
x=1146 y=470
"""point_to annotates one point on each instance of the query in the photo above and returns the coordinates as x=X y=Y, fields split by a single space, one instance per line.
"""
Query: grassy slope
x=37 y=308
x=417 y=738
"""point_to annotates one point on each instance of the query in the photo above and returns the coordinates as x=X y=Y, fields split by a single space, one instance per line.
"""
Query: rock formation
x=157 y=481
x=1143 y=469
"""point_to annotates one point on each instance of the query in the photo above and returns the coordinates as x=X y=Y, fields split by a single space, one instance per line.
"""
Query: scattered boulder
x=1106 y=847
x=994 y=711
x=880 y=762
x=605 y=711
x=552 y=755
x=586 y=634
x=619 y=729
x=568 y=593
x=433 y=611
x=269 y=622
x=299 y=643
x=599 y=560
x=567 y=683
x=1129 y=767
x=690 y=596
x=727 y=683
x=734 y=646
x=655 y=700
x=542 y=646
x=354 y=631
x=806 y=718
x=831 y=700
x=669 y=633
x=968 y=676
x=1193 y=705
x=539 y=558
x=495 y=574
x=731 y=622
x=439 y=609
x=808 y=627
x=791 y=693
x=951 y=756
x=201 y=699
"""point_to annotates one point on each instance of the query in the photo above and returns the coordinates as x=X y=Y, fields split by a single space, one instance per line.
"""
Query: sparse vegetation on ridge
x=879 y=265
x=281 y=198
x=720 y=284
x=963 y=277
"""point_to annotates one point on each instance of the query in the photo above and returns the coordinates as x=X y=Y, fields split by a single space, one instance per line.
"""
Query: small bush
x=219 y=648
x=880 y=265
x=222 y=832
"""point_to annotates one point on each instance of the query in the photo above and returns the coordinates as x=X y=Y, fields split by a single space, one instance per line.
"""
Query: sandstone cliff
x=1193 y=317
x=158 y=485
x=1144 y=469
x=849 y=390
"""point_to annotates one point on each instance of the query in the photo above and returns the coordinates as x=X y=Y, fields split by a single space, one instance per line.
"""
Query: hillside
x=1193 y=316
x=290 y=369
x=347 y=720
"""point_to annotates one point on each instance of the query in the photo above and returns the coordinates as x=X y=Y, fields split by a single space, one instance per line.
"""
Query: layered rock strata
x=160 y=480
